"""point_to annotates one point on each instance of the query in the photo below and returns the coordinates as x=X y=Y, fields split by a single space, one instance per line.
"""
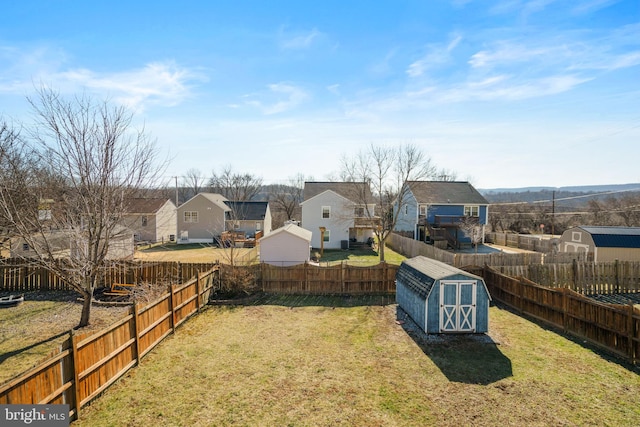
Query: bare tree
x=192 y=184
x=235 y=186
x=385 y=171
x=90 y=161
x=286 y=198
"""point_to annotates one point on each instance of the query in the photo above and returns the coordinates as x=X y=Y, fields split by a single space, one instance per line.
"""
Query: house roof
x=446 y=192
x=614 y=237
x=248 y=211
x=145 y=205
x=215 y=198
x=420 y=273
x=349 y=190
x=293 y=230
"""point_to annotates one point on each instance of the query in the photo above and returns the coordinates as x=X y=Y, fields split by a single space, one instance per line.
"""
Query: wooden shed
x=441 y=298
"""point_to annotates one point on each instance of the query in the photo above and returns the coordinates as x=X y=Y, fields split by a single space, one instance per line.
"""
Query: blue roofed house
x=605 y=244
x=438 y=212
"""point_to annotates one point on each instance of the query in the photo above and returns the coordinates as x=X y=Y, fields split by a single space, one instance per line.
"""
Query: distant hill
x=567 y=196
x=573 y=189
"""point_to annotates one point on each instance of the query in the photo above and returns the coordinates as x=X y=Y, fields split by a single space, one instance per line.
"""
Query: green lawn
x=331 y=364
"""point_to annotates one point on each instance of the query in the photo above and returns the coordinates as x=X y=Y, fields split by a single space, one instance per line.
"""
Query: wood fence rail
x=614 y=327
x=340 y=279
x=19 y=275
x=87 y=364
x=587 y=278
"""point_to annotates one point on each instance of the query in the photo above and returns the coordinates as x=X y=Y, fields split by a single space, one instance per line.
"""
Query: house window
x=25 y=247
x=236 y=225
x=406 y=209
x=576 y=236
x=190 y=216
x=326 y=212
x=144 y=221
x=258 y=226
x=423 y=210
x=358 y=211
x=327 y=233
x=472 y=211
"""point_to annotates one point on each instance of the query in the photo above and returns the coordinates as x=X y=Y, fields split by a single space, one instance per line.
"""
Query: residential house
x=336 y=212
x=65 y=243
x=253 y=219
x=151 y=219
x=285 y=246
x=604 y=244
x=439 y=212
x=202 y=218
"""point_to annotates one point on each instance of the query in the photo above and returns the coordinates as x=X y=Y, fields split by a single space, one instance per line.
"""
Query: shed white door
x=458 y=306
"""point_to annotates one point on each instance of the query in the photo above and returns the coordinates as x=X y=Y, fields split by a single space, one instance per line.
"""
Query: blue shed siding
x=418 y=295
x=411 y=303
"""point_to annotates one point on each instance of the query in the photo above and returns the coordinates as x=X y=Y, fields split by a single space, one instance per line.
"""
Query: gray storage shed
x=441 y=298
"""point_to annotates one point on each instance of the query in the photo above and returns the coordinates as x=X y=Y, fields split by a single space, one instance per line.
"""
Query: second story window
x=472 y=211
x=423 y=210
x=358 y=211
x=326 y=212
x=144 y=221
x=190 y=216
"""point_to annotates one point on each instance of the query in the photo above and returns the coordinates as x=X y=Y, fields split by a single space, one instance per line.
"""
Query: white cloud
x=162 y=83
x=300 y=41
x=280 y=97
x=437 y=55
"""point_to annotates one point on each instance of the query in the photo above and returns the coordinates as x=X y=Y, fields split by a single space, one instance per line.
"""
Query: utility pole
x=176 y=190
x=553 y=212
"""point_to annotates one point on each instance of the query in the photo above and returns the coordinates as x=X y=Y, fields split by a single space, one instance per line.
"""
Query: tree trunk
x=381 y=248
x=87 y=295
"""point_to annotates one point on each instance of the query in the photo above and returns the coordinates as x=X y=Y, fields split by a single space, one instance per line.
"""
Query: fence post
x=173 y=314
x=76 y=374
x=630 y=335
x=565 y=304
x=136 y=331
x=198 y=287
x=616 y=266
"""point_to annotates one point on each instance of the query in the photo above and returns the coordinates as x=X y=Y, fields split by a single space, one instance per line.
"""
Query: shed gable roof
x=293 y=230
x=446 y=192
x=614 y=237
x=420 y=273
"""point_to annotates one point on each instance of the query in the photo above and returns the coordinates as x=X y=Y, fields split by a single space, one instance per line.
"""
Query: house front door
x=458 y=306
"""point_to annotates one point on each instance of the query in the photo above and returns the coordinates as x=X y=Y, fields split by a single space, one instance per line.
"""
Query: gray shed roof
x=614 y=237
x=420 y=273
x=444 y=192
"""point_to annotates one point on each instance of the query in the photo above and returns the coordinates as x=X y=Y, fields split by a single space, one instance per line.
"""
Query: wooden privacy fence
x=614 y=327
x=339 y=279
x=88 y=364
x=18 y=275
x=587 y=278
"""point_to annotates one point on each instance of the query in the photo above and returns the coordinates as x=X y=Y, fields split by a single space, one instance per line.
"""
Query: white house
x=285 y=246
x=337 y=207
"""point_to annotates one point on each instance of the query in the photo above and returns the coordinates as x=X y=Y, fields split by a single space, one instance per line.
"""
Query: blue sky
x=506 y=93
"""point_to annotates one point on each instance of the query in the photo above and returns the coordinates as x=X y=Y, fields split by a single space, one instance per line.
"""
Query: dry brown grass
x=327 y=365
x=190 y=253
x=35 y=328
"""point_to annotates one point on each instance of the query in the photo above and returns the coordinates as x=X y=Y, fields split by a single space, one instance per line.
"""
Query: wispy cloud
x=300 y=40
x=279 y=97
x=161 y=83
x=437 y=54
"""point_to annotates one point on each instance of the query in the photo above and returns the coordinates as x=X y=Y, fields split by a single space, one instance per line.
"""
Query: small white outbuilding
x=285 y=246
